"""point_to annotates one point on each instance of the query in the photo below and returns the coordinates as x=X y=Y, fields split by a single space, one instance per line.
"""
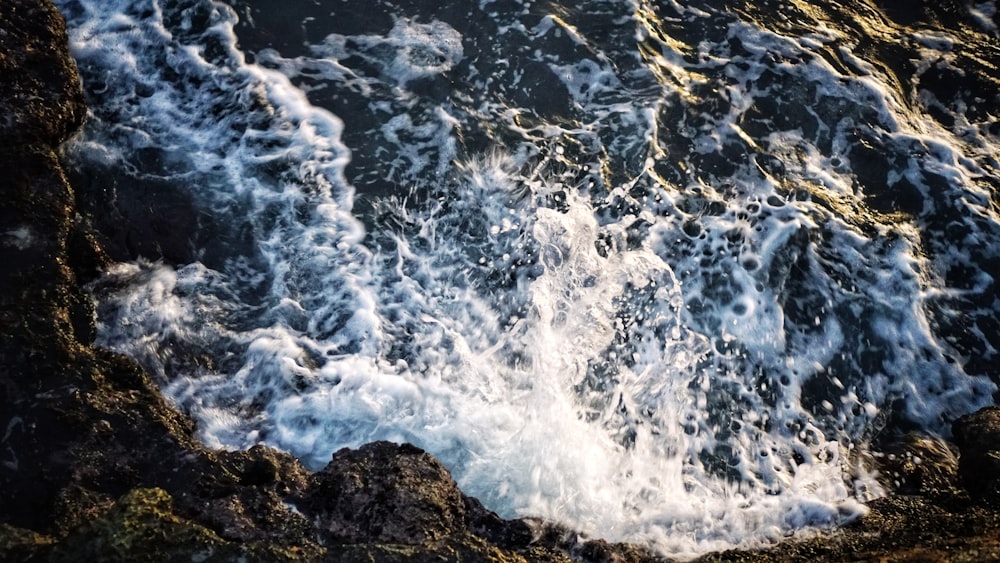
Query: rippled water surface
x=660 y=271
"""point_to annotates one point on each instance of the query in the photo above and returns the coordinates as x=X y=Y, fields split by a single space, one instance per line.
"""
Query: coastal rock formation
x=978 y=436
x=385 y=493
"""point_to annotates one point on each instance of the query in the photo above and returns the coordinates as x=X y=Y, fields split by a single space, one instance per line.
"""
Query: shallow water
x=658 y=271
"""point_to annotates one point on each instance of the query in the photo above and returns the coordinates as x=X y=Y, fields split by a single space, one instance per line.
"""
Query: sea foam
x=649 y=293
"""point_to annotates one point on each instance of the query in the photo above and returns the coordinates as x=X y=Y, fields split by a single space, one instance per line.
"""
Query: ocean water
x=663 y=272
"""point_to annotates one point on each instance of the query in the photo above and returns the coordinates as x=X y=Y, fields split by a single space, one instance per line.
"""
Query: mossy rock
x=142 y=527
x=18 y=544
x=460 y=549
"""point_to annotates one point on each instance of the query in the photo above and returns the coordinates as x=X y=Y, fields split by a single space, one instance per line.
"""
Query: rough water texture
x=661 y=272
x=84 y=426
x=94 y=463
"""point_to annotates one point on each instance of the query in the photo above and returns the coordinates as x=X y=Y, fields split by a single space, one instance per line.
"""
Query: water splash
x=657 y=272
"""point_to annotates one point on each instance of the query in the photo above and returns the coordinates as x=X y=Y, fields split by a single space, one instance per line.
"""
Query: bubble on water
x=658 y=295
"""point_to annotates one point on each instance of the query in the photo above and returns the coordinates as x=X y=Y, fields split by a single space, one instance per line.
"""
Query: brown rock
x=40 y=88
x=978 y=439
x=384 y=492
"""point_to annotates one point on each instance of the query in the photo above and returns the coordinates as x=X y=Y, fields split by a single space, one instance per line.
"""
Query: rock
x=978 y=439
x=142 y=526
x=41 y=306
x=919 y=464
x=18 y=544
x=384 y=493
x=40 y=88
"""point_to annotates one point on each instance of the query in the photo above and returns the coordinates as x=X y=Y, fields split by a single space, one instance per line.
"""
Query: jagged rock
x=978 y=439
x=141 y=526
x=18 y=544
x=41 y=307
x=40 y=88
x=386 y=493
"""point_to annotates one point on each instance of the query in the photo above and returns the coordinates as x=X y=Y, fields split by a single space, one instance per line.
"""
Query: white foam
x=985 y=15
x=559 y=336
x=20 y=238
x=416 y=50
x=939 y=41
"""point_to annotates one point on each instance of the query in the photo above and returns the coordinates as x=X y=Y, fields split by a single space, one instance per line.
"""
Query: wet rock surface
x=95 y=465
x=386 y=493
x=978 y=435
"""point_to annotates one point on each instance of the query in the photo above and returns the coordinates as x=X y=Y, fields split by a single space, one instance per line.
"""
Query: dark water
x=661 y=271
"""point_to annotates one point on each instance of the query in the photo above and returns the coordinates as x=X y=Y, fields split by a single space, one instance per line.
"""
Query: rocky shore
x=96 y=466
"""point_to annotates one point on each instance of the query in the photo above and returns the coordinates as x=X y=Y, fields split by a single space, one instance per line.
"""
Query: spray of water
x=641 y=313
